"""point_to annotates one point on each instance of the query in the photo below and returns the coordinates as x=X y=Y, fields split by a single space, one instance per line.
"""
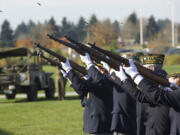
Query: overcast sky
x=17 y=11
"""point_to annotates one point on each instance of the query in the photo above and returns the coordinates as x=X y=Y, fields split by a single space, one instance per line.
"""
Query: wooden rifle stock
x=75 y=66
x=142 y=70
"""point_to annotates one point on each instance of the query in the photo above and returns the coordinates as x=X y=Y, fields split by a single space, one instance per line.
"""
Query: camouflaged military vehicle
x=21 y=72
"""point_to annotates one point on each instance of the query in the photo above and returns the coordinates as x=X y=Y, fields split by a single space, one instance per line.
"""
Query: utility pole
x=87 y=29
x=176 y=28
x=141 y=28
x=172 y=24
x=171 y=3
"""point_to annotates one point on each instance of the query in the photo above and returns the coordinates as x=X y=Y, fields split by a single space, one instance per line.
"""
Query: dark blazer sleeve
x=78 y=85
x=133 y=91
x=158 y=95
x=97 y=76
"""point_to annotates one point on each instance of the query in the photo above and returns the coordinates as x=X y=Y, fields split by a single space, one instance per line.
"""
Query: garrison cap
x=136 y=56
x=152 y=59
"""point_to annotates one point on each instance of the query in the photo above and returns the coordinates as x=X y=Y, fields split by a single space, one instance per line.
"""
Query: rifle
x=108 y=53
x=115 y=60
x=142 y=70
x=54 y=63
x=75 y=66
x=82 y=49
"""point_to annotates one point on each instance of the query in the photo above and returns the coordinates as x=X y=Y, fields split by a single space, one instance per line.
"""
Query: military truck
x=21 y=72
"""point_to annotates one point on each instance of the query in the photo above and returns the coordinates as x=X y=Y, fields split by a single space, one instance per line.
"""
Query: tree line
x=103 y=32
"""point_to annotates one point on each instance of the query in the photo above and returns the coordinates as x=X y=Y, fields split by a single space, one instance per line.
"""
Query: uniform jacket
x=97 y=102
x=157 y=121
x=169 y=98
x=175 y=119
x=124 y=110
x=124 y=107
x=160 y=96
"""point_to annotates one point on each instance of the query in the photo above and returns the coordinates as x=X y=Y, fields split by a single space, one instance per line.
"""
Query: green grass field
x=42 y=117
x=172 y=69
x=46 y=117
x=53 y=69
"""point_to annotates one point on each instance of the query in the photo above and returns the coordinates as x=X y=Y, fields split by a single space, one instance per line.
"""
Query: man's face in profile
x=175 y=80
x=151 y=67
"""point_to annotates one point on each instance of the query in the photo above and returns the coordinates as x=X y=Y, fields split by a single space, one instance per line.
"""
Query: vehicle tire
x=50 y=91
x=10 y=96
x=32 y=92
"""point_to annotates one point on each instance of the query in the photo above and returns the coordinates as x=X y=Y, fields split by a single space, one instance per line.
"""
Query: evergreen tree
x=81 y=28
x=93 y=19
x=54 y=27
x=6 y=34
x=162 y=24
x=116 y=27
x=64 y=29
x=31 y=25
x=132 y=18
x=151 y=28
x=130 y=27
x=68 y=29
x=21 y=30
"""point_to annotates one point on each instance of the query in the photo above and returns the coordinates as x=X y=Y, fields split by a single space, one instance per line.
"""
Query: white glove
x=121 y=74
x=86 y=77
x=105 y=65
x=131 y=70
x=173 y=85
x=167 y=89
x=112 y=70
x=133 y=73
x=87 y=60
x=64 y=73
x=66 y=66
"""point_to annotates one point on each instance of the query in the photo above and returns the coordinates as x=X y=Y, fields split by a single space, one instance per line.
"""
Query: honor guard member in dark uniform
x=124 y=108
x=174 y=78
x=107 y=94
x=170 y=98
x=174 y=115
x=141 y=106
x=157 y=118
x=157 y=115
x=98 y=107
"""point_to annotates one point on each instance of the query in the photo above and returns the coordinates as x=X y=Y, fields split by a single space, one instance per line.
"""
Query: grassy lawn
x=172 y=69
x=46 y=117
x=41 y=118
x=53 y=69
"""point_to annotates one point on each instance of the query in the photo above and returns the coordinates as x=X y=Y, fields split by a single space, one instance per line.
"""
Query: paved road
x=41 y=95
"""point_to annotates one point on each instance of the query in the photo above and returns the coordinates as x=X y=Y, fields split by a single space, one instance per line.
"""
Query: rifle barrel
x=63 y=59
